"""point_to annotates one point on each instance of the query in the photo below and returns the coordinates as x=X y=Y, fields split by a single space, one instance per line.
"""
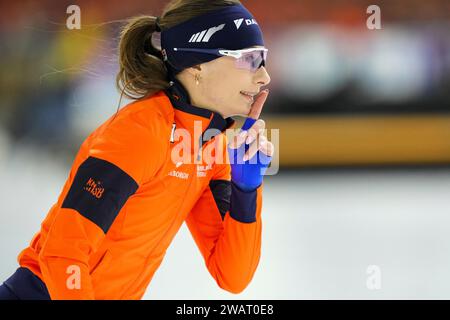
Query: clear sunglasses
x=250 y=59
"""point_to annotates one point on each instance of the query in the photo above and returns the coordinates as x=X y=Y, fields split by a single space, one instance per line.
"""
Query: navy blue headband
x=232 y=28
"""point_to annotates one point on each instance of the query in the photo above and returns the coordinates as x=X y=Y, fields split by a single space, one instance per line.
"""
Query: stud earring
x=197 y=79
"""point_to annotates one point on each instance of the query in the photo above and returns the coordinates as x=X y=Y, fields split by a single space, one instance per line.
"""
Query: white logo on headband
x=238 y=22
x=248 y=22
x=205 y=35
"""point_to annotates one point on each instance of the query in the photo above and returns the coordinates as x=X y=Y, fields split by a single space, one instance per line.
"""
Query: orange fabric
x=120 y=264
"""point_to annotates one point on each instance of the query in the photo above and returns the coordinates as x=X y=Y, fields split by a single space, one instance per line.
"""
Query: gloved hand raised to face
x=250 y=152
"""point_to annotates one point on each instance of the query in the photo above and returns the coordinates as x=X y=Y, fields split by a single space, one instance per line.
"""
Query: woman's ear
x=194 y=70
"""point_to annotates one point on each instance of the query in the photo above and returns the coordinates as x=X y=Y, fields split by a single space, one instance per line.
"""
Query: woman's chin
x=248 y=107
x=243 y=109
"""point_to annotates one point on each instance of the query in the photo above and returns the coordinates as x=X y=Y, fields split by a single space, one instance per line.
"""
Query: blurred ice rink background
x=332 y=211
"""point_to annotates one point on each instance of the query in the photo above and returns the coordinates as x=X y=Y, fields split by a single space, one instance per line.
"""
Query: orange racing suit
x=125 y=199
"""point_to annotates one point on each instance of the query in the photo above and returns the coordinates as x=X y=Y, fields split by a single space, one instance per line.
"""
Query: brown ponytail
x=142 y=71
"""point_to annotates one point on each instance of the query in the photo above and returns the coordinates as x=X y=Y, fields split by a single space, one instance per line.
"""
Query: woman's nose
x=262 y=77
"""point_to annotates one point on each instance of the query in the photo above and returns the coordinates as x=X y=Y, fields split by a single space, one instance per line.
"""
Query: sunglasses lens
x=252 y=60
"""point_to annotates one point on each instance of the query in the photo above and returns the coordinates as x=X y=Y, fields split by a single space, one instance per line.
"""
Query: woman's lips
x=248 y=97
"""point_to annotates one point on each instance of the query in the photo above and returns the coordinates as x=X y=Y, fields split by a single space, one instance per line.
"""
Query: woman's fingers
x=238 y=139
x=258 y=104
x=261 y=144
x=255 y=130
x=248 y=136
x=267 y=148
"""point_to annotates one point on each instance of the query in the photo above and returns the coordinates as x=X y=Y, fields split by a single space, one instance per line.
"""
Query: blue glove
x=247 y=176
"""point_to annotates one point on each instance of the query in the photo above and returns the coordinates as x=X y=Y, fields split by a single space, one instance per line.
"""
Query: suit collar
x=187 y=114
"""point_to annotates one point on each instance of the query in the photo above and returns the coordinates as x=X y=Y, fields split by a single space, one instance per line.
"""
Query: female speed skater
x=128 y=191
